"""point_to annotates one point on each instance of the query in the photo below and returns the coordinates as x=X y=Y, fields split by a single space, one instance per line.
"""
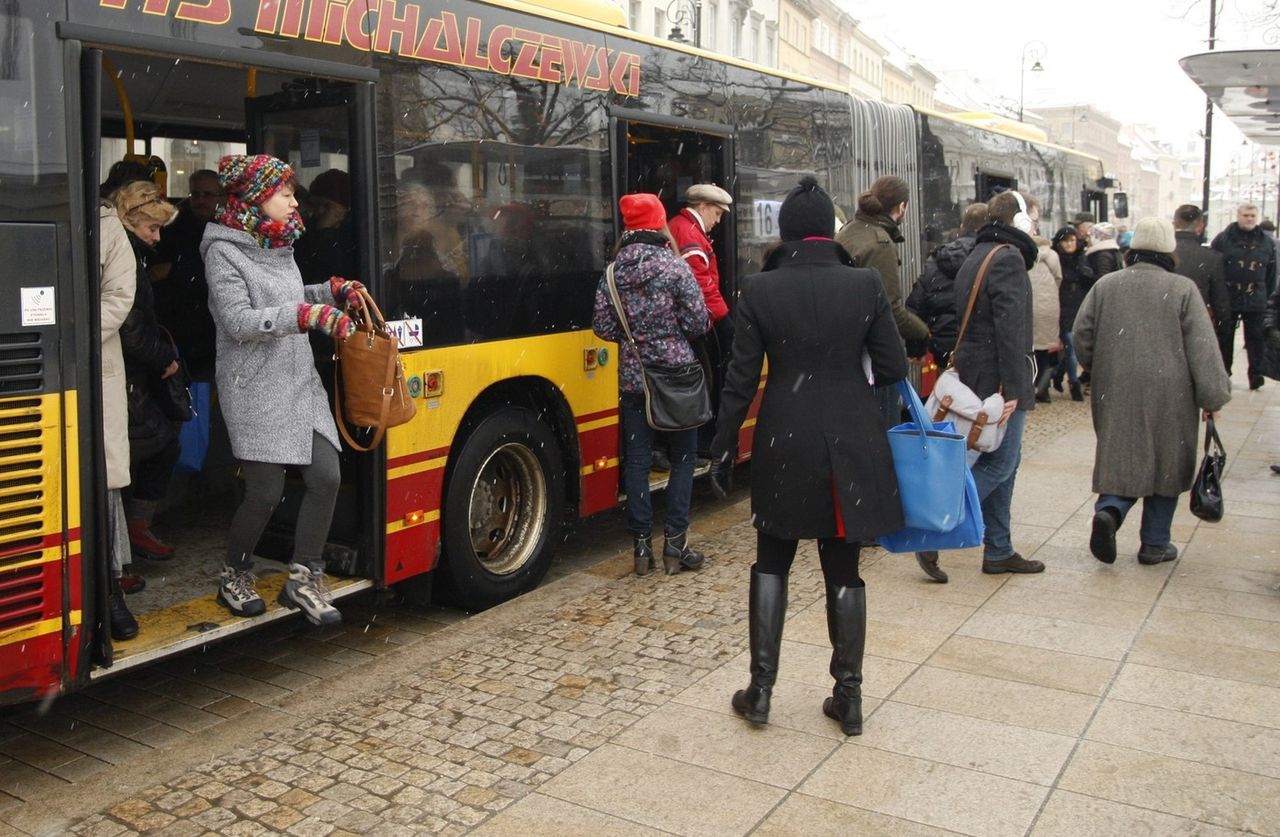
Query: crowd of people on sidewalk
x=1144 y=318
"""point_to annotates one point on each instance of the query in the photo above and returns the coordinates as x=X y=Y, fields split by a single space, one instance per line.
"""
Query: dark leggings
x=839 y=558
x=263 y=488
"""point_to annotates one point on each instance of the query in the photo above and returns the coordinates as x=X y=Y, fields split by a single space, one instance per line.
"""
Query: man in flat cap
x=705 y=205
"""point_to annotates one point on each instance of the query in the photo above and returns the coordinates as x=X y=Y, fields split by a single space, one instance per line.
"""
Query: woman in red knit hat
x=664 y=309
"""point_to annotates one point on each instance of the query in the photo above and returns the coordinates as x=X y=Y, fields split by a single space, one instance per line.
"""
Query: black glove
x=1273 y=338
x=722 y=475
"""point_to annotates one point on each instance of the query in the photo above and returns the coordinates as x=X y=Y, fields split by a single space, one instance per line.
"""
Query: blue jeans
x=994 y=473
x=1157 y=515
x=637 y=452
x=1067 y=362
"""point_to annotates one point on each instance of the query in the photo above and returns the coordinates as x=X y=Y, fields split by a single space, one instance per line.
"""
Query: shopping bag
x=968 y=534
x=193 y=438
x=929 y=459
x=1206 y=491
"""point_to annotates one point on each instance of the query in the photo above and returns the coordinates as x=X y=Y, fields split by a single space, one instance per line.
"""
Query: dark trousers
x=263 y=488
x=637 y=453
x=149 y=478
x=838 y=557
x=1255 y=337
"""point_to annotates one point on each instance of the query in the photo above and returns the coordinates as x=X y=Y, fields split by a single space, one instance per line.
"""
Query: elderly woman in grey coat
x=276 y=409
x=1146 y=338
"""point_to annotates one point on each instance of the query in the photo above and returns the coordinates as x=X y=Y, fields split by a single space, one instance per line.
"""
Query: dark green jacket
x=872 y=241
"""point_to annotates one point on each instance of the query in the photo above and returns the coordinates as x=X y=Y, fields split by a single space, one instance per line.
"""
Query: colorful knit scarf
x=268 y=233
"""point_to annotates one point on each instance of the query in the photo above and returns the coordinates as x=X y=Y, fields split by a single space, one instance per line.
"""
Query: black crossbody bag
x=675 y=397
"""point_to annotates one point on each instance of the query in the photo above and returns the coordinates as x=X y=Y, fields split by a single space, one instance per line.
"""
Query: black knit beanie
x=806 y=212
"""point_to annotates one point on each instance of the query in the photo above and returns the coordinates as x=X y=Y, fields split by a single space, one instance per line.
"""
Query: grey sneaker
x=306 y=590
x=236 y=592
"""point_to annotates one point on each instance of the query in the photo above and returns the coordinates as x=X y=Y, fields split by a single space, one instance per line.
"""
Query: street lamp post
x=1036 y=55
x=685 y=13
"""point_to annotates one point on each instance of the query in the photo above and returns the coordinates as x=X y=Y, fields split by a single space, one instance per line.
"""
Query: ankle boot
x=145 y=544
x=1042 y=389
x=123 y=625
x=768 y=600
x=643 y=551
x=1076 y=393
x=676 y=554
x=847 y=627
x=1057 y=381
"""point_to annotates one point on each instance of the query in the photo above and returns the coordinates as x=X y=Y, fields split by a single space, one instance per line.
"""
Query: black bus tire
x=503 y=509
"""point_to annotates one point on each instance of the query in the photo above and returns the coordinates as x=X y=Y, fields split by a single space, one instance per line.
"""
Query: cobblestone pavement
x=1089 y=699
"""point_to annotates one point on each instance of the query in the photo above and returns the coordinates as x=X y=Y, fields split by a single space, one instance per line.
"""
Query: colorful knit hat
x=255 y=178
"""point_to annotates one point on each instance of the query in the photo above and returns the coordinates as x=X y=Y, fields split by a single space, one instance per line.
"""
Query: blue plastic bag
x=929 y=459
x=194 y=435
x=968 y=534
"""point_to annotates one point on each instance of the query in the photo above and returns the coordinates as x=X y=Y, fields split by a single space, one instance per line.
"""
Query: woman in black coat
x=821 y=466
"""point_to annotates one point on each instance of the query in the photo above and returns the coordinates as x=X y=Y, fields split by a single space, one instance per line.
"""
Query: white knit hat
x=1154 y=235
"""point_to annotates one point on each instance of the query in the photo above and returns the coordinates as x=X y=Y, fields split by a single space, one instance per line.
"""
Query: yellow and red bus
x=485 y=143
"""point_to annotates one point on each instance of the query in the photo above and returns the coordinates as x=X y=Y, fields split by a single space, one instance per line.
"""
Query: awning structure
x=1245 y=85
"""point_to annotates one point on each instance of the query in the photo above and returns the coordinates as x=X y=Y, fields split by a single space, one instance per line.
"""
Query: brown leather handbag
x=368 y=377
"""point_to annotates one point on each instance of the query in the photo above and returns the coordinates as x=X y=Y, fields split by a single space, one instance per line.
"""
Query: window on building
x=659 y=23
x=637 y=9
x=755 y=40
x=710 y=25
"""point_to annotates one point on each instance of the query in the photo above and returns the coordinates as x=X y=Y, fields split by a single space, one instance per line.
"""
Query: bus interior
x=182 y=116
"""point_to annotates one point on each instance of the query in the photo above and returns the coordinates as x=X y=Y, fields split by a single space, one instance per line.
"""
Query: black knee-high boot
x=768 y=611
x=847 y=627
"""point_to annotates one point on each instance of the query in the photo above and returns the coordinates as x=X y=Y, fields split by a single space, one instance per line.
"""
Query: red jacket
x=696 y=249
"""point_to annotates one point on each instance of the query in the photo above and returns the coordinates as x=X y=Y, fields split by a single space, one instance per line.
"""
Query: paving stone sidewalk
x=1089 y=699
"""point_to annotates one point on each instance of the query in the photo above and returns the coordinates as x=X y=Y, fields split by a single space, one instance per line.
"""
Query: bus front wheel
x=503 y=509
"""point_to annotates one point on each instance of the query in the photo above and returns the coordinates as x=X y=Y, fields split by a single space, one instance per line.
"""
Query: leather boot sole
x=741 y=706
x=1102 y=540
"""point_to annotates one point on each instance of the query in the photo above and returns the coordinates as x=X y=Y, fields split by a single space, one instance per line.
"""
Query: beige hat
x=708 y=193
x=1154 y=235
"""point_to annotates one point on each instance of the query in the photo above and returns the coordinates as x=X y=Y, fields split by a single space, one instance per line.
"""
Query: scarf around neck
x=251 y=219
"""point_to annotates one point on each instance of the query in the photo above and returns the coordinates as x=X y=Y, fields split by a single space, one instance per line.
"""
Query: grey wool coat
x=1144 y=335
x=268 y=387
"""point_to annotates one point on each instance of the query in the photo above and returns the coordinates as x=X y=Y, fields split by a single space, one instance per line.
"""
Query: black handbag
x=675 y=397
x=173 y=394
x=1206 y=491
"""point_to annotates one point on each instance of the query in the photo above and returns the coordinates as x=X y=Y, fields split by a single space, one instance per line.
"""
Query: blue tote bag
x=930 y=461
x=968 y=534
x=193 y=438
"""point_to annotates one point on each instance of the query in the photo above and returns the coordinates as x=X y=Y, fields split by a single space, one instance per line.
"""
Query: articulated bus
x=486 y=144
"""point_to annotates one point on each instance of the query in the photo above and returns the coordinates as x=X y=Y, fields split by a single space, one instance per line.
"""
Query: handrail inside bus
x=123 y=96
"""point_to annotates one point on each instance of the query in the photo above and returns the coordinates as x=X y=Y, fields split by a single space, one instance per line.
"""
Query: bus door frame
x=83 y=83
x=620 y=118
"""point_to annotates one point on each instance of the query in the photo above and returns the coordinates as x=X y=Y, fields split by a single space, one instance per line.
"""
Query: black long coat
x=818 y=432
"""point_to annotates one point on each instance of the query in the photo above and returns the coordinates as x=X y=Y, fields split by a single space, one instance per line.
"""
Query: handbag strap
x=973 y=298
x=622 y=314
x=1211 y=433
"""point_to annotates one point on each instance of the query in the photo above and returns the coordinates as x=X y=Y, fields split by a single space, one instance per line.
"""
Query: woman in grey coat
x=1144 y=335
x=275 y=407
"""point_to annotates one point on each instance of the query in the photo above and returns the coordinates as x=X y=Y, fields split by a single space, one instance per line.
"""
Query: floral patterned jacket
x=664 y=306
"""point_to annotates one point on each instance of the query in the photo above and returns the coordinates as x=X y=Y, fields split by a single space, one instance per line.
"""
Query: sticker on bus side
x=408 y=332
x=37 y=307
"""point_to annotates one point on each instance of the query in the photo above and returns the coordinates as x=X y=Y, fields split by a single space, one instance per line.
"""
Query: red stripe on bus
x=31 y=668
x=421 y=456
x=586 y=417
x=45 y=542
x=599 y=491
x=414 y=492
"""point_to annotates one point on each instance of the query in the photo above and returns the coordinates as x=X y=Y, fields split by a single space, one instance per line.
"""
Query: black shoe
x=1085 y=377
x=768 y=603
x=123 y=625
x=928 y=562
x=1157 y=554
x=1057 y=382
x=847 y=628
x=1015 y=563
x=1275 y=469
x=677 y=556
x=1102 y=541
x=1076 y=393
x=643 y=553
x=1256 y=381
x=661 y=462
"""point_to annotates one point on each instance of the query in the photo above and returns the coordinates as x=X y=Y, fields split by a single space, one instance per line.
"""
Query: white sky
x=1119 y=55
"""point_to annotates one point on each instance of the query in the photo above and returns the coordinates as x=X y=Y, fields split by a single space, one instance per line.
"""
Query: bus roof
x=951 y=117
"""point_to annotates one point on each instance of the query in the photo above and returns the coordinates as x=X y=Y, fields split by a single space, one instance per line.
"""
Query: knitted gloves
x=344 y=291
x=325 y=319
